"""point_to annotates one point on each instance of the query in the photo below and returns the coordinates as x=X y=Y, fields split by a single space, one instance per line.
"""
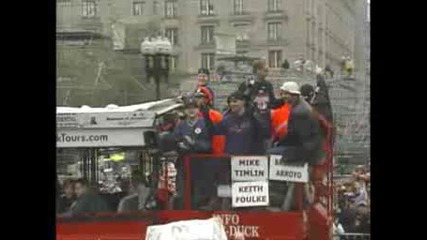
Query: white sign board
x=250 y=194
x=279 y=171
x=249 y=168
x=100 y=138
x=104 y=120
x=210 y=229
x=66 y=120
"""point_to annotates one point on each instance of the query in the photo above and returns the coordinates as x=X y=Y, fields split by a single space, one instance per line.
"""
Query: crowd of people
x=353 y=203
x=78 y=197
x=297 y=124
x=255 y=122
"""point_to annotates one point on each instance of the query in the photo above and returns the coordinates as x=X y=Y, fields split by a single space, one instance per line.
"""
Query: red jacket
x=218 y=141
x=279 y=120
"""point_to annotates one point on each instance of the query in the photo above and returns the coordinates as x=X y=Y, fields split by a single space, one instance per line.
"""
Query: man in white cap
x=302 y=141
x=303 y=131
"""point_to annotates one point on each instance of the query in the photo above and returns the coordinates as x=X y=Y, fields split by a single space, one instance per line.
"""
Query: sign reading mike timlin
x=280 y=171
x=250 y=194
x=249 y=168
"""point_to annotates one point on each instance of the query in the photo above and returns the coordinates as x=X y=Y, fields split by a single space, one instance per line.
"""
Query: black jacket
x=65 y=203
x=90 y=203
x=250 y=91
x=198 y=134
x=322 y=102
x=303 y=133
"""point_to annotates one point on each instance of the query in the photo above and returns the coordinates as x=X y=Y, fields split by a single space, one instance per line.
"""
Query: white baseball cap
x=291 y=87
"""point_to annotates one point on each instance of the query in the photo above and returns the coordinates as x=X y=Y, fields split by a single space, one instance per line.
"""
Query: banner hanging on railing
x=250 y=194
x=280 y=171
x=249 y=168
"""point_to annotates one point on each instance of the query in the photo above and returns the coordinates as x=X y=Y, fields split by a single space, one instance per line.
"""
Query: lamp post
x=156 y=53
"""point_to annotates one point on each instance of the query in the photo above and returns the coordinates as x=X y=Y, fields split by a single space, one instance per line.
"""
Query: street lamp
x=156 y=53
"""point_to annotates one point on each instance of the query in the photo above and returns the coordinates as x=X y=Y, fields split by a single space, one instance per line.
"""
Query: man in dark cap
x=241 y=127
x=191 y=136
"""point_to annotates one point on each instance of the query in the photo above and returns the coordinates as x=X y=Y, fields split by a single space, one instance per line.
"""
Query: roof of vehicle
x=159 y=107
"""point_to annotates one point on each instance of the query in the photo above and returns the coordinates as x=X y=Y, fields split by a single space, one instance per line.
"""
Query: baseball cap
x=237 y=95
x=190 y=102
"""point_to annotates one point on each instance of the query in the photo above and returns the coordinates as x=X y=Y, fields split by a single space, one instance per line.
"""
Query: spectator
x=343 y=64
x=322 y=101
x=211 y=117
x=347 y=218
x=358 y=196
x=130 y=202
x=259 y=92
x=285 y=65
x=337 y=229
x=87 y=200
x=328 y=71
x=363 y=222
x=241 y=129
x=68 y=197
x=203 y=81
x=307 y=92
x=349 y=66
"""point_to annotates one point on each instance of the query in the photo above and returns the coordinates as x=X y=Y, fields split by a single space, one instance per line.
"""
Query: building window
x=208 y=61
x=172 y=35
x=171 y=9
x=242 y=31
x=274 y=5
x=274 y=30
x=207 y=34
x=173 y=63
x=206 y=7
x=238 y=7
x=274 y=58
x=89 y=8
x=156 y=7
x=138 y=8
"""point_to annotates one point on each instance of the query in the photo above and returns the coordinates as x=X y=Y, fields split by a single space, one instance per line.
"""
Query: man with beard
x=302 y=141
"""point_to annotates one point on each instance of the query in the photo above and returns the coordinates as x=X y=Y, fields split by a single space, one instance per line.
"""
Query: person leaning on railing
x=191 y=136
x=303 y=141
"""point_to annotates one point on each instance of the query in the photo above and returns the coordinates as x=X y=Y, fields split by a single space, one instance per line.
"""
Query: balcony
x=242 y=44
x=205 y=46
x=276 y=15
x=208 y=18
x=280 y=42
x=241 y=17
